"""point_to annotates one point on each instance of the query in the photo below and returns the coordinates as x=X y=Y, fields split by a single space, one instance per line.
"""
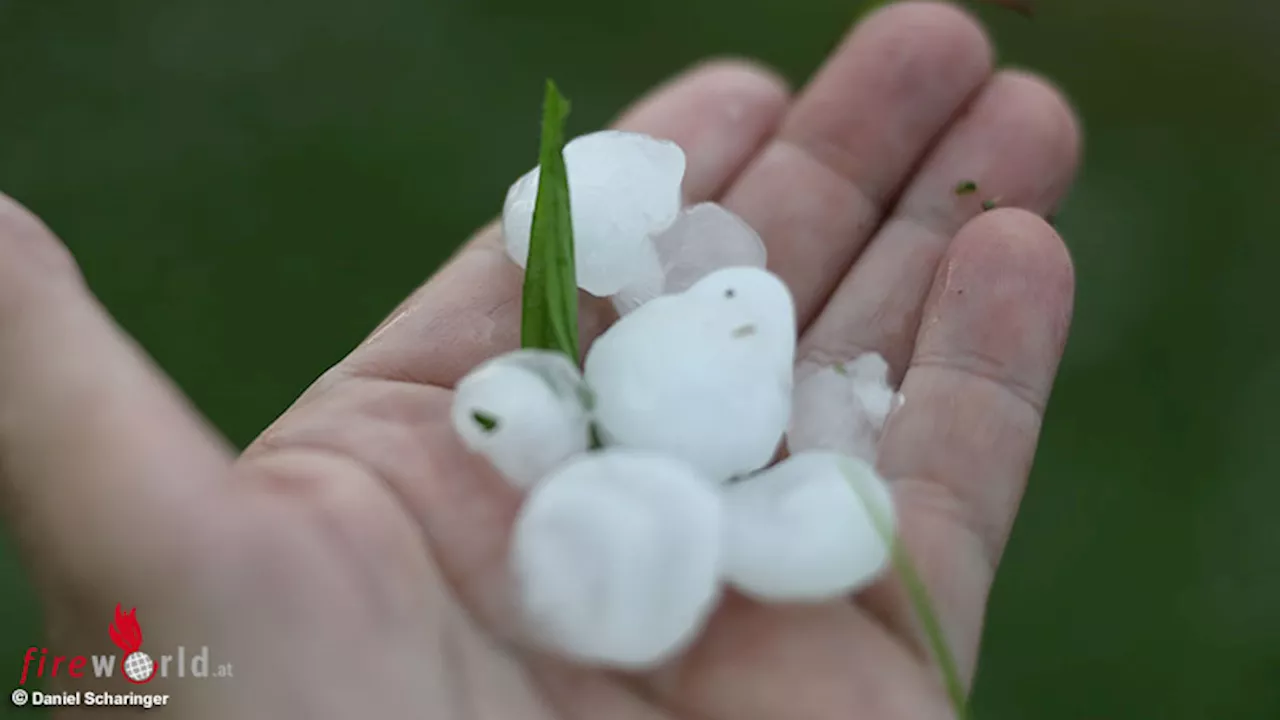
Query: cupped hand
x=351 y=561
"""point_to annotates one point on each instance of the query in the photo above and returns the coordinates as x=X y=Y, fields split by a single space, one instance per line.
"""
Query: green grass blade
x=549 y=310
x=923 y=607
x=921 y=603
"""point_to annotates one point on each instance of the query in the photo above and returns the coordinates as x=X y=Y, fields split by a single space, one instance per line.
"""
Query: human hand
x=352 y=560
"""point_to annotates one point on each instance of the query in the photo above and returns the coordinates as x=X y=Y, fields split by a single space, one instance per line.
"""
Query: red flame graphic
x=125 y=631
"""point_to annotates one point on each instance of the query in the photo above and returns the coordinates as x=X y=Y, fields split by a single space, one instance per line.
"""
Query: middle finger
x=852 y=139
x=1019 y=142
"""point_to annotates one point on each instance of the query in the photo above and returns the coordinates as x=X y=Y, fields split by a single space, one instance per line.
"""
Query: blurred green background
x=250 y=186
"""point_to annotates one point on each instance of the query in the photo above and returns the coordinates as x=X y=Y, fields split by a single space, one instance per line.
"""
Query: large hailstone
x=704 y=375
x=802 y=531
x=704 y=238
x=623 y=188
x=616 y=557
x=525 y=411
x=842 y=407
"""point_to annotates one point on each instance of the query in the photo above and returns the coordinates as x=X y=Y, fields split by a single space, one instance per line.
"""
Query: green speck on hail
x=487 y=422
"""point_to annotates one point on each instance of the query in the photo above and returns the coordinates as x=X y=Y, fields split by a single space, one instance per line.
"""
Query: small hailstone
x=623 y=188
x=704 y=375
x=802 y=532
x=842 y=407
x=704 y=238
x=616 y=556
x=525 y=411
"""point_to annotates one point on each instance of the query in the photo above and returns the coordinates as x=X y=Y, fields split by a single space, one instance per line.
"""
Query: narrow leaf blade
x=921 y=603
x=549 y=311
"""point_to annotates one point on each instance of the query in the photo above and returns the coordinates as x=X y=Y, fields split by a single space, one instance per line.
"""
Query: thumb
x=101 y=460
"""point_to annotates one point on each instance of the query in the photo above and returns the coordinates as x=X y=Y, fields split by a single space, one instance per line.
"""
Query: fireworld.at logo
x=136 y=666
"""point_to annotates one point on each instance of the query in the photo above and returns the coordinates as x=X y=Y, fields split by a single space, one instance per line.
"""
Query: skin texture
x=350 y=562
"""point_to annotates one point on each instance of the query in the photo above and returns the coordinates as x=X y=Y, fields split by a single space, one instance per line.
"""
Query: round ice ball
x=525 y=411
x=704 y=375
x=616 y=556
x=623 y=188
x=806 y=529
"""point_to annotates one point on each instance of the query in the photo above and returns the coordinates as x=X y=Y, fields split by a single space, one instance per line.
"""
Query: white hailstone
x=842 y=407
x=623 y=188
x=802 y=531
x=647 y=282
x=704 y=375
x=616 y=557
x=525 y=411
x=704 y=238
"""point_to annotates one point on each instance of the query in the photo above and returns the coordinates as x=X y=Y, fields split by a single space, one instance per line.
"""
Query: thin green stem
x=923 y=606
x=918 y=594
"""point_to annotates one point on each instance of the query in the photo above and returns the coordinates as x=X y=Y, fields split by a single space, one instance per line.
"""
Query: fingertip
x=735 y=87
x=943 y=26
x=742 y=74
x=1048 y=110
x=1020 y=279
x=31 y=256
x=1016 y=238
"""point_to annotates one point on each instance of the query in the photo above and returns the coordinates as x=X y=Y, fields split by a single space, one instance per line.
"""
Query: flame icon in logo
x=137 y=666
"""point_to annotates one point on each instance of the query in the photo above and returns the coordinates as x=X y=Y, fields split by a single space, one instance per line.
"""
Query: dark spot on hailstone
x=487 y=422
x=744 y=331
x=597 y=439
x=729 y=293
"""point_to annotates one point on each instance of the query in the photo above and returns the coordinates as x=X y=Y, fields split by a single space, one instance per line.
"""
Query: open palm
x=351 y=561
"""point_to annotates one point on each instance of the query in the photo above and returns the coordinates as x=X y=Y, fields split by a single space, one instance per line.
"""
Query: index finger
x=960 y=448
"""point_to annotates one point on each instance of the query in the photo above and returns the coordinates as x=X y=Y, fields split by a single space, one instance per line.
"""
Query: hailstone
x=525 y=411
x=616 y=557
x=623 y=188
x=704 y=238
x=802 y=531
x=842 y=407
x=704 y=375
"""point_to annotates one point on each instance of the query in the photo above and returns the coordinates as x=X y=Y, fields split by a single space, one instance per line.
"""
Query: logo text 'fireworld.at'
x=136 y=666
